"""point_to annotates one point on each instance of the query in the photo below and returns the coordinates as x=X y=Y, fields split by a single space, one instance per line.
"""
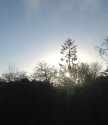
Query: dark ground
x=39 y=103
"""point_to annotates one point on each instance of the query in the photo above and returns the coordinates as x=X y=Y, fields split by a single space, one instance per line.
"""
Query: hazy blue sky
x=33 y=30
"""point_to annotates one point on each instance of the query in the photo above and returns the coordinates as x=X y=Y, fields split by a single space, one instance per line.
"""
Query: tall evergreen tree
x=68 y=59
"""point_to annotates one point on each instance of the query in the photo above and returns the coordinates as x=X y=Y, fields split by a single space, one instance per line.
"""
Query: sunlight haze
x=33 y=30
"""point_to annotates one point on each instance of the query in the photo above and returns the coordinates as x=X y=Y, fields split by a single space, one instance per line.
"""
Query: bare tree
x=10 y=74
x=13 y=74
x=88 y=72
x=21 y=75
x=45 y=72
x=103 y=49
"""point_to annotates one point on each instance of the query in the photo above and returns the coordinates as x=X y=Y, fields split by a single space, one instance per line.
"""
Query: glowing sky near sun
x=33 y=30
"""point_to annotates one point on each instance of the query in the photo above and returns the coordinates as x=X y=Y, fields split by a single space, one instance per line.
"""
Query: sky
x=32 y=31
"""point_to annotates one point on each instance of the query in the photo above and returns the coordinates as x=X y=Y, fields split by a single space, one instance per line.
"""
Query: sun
x=67 y=74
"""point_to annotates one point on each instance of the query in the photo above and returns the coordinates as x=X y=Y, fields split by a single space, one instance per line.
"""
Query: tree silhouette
x=45 y=72
x=103 y=52
x=88 y=72
x=13 y=74
x=103 y=49
x=21 y=75
x=68 y=51
x=68 y=59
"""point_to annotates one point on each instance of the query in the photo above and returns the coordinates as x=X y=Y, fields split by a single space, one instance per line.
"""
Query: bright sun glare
x=54 y=59
x=67 y=74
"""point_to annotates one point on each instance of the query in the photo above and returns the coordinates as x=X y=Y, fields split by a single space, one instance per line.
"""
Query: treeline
x=76 y=93
x=30 y=102
x=70 y=71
